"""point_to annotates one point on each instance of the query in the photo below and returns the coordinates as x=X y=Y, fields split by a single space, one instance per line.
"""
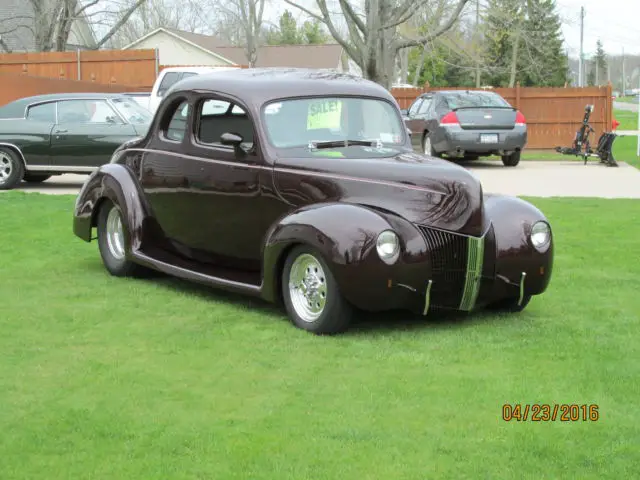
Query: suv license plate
x=489 y=138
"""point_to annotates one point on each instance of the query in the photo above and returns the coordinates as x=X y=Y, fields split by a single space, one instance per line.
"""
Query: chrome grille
x=457 y=266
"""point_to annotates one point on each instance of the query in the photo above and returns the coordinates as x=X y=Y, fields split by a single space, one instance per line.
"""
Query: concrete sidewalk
x=530 y=178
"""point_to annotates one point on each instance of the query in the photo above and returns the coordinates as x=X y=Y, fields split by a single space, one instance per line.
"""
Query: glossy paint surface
x=227 y=218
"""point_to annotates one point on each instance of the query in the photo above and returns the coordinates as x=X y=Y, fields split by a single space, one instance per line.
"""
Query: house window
x=45 y=112
x=217 y=117
x=178 y=124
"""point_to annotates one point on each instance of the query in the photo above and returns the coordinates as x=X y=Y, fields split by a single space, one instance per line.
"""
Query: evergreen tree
x=503 y=24
x=600 y=61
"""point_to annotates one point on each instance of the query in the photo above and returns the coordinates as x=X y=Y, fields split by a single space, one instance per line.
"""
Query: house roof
x=296 y=56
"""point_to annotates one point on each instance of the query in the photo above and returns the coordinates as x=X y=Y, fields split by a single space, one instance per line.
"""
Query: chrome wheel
x=6 y=167
x=115 y=234
x=308 y=287
x=426 y=145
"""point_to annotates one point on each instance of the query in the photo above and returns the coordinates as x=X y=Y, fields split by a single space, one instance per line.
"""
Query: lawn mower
x=582 y=148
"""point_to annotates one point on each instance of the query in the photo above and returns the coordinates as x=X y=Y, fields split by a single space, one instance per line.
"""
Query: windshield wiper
x=314 y=145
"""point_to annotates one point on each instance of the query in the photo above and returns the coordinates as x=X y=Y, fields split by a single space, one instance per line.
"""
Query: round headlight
x=388 y=247
x=540 y=235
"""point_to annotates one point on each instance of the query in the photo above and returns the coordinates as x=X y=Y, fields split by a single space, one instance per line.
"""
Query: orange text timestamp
x=545 y=412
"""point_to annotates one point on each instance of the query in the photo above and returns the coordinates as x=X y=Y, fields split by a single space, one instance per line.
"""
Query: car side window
x=216 y=117
x=414 y=107
x=167 y=82
x=87 y=111
x=177 y=126
x=45 y=112
x=424 y=106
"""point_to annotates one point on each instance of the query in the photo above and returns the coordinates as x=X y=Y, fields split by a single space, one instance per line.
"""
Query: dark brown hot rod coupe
x=301 y=186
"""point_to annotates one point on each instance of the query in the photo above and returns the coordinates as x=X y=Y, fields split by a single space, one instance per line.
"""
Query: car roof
x=16 y=109
x=260 y=85
x=197 y=69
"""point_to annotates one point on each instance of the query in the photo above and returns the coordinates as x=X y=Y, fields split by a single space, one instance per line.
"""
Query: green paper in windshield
x=324 y=114
x=329 y=153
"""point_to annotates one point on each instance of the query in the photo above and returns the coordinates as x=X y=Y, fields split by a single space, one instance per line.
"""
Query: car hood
x=422 y=189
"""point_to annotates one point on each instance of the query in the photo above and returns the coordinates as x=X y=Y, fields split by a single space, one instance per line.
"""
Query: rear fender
x=116 y=183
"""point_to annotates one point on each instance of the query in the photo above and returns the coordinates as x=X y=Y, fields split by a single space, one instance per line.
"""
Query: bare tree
x=50 y=22
x=248 y=16
x=373 y=41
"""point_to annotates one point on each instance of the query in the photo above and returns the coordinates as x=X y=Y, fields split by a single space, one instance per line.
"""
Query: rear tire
x=35 y=178
x=427 y=146
x=114 y=242
x=311 y=295
x=11 y=169
x=511 y=160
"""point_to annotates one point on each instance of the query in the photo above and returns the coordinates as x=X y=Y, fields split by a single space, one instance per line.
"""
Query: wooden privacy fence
x=553 y=114
x=135 y=68
x=19 y=86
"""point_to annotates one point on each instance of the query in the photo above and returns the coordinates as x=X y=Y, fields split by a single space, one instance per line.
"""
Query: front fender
x=512 y=220
x=345 y=235
x=117 y=183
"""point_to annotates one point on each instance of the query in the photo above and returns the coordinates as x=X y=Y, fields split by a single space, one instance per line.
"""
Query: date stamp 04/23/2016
x=546 y=412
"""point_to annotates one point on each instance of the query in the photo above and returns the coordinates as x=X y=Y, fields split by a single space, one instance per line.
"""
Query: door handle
x=61 y=131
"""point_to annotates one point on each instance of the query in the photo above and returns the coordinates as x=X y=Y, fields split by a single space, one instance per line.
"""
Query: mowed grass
x=109 y=378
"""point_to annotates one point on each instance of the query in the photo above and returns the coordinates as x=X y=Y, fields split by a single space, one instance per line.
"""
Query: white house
x=176 y=47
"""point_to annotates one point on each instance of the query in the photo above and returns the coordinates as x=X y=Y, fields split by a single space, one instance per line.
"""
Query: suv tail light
x=520 y=120
x=449 y=119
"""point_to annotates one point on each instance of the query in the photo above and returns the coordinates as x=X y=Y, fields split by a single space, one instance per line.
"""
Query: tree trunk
x=514 y=59
x=420 y=66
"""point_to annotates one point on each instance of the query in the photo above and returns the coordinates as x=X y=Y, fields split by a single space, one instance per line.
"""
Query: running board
x=198 y=277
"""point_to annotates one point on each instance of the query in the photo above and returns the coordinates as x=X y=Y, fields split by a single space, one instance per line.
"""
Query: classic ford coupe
x=301 y=186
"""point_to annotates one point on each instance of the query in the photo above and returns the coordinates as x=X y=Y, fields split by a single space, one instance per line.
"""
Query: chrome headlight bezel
x=388 y=246
x=540 y=236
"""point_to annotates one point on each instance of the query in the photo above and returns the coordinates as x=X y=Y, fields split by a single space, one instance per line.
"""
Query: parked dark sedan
x=467 y=124
x=54 y=134
x=302 y=186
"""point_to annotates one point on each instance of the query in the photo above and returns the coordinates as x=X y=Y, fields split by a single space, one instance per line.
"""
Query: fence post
x=79 y=65
x=518 y=96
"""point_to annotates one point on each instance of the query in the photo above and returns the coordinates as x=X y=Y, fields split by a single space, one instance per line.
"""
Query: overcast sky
x=615 y=22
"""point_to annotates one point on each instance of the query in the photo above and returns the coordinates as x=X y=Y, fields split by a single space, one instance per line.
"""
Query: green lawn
x=108 y=378
x=627 y=100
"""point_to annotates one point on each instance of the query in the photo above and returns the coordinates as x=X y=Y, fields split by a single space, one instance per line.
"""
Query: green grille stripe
x=475 y=259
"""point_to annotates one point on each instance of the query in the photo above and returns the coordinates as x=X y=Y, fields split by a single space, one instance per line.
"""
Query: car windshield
x=132 y=111
x=475 y=99
x=298 y=122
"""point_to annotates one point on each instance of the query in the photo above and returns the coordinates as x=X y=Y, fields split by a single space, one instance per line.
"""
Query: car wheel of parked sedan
x=511 y=304
x=511 y=160
x=113 y=242
x=35 y=178
x=311 y=295
x=11 y=169
x=427 y=147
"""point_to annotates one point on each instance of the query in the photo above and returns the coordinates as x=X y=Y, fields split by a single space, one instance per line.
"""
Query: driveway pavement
x=633 y=107
x=530 y=178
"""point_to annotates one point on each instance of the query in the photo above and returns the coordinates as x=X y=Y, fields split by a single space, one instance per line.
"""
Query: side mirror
x=231 y=139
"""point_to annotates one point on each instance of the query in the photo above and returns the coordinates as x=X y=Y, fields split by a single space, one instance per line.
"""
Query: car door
x=205 y=195
x=416 y=120
x=36 y=133
x=87 y=132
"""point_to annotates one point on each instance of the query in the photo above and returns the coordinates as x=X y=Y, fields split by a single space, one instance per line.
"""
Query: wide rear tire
x=35 y=178
x=114 y=242
x=311 y=295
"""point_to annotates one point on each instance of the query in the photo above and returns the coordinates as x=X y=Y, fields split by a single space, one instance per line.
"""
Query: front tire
x=311 y=295
x=511 y=160
x=11 y=169
x=510 y=305
x=114 y=242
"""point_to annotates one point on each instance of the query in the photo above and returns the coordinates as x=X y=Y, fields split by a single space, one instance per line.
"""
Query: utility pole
x=581 y=69
x=477 y=44
x=624 y=77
